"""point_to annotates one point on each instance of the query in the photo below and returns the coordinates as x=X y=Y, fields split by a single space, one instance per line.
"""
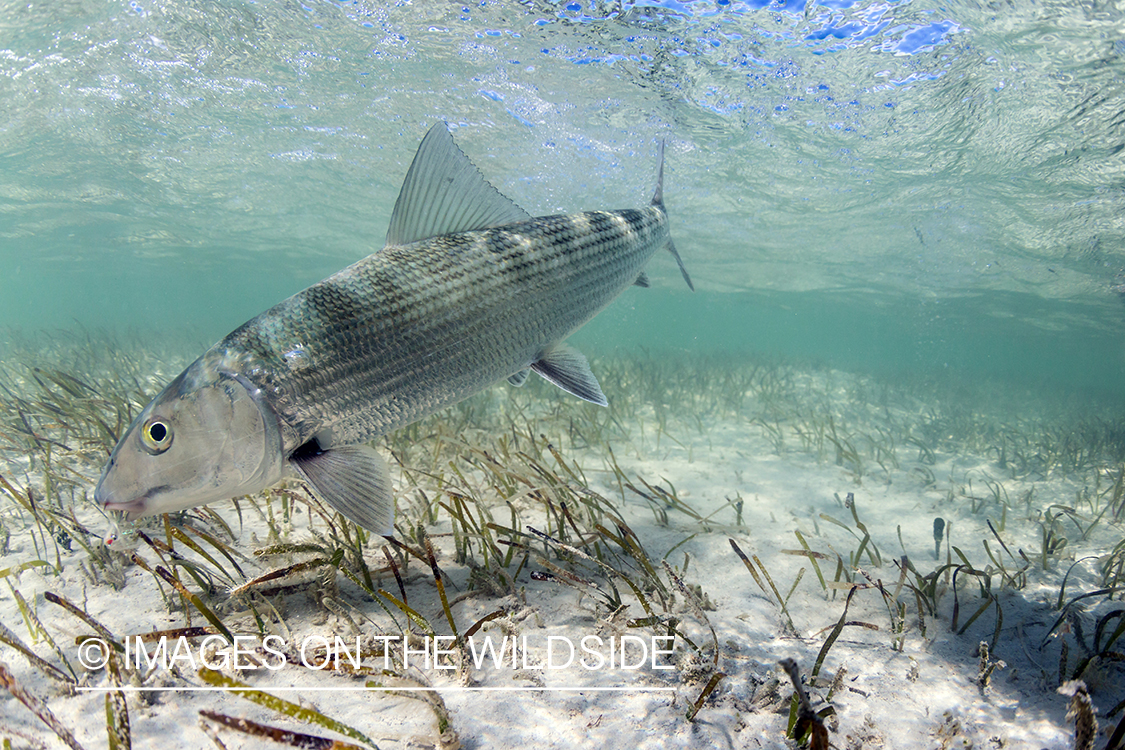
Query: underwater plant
x=520 y=496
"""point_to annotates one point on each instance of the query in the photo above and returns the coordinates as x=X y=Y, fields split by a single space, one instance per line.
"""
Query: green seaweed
x=292 y=710
x=37 y=707
x=281 y=736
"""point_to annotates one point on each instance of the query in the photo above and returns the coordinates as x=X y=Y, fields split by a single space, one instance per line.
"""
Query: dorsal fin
x=444 y=193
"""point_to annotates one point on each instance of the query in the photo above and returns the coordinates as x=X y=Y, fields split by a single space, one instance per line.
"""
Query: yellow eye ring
x=156 y=435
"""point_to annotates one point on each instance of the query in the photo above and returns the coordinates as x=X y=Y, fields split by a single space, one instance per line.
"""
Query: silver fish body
x=468 y=290
x=418 y=327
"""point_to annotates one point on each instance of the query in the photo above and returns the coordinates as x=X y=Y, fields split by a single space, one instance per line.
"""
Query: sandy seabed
x=618 y=578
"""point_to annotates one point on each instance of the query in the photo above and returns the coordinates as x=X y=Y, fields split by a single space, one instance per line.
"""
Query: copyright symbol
x=93 y=654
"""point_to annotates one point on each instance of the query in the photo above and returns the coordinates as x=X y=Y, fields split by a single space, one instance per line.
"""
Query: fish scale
x=468 y=290
x=465 y=311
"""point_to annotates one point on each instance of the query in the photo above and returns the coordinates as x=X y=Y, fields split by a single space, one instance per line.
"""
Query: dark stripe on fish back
x=414 y=328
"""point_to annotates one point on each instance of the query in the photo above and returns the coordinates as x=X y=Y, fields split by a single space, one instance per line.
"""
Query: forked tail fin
x=658 y=201
x=680 y=263
x=658 y=196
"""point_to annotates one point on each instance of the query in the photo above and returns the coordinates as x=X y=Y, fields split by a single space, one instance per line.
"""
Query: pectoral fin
x=352 y=479
x=568 y=369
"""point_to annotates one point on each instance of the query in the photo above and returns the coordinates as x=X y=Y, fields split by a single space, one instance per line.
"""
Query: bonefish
x=468 y=290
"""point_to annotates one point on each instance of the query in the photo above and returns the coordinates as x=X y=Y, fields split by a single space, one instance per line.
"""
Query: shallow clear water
x=926 y=196
x=884 y=186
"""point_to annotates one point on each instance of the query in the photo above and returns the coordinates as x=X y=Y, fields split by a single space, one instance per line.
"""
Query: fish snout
x=111 y=500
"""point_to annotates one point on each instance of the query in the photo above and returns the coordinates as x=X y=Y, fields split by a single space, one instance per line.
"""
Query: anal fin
x=519 y=378
x=353 y=480
x=642 y=280
x=568 y=369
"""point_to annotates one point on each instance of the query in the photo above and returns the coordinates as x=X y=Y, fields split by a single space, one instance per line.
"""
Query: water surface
x=877 y=185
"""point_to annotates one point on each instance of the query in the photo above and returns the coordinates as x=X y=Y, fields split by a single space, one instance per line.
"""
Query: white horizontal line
x=566 y=689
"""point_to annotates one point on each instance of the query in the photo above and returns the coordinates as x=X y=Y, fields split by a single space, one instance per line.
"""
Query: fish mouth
x=133 y=507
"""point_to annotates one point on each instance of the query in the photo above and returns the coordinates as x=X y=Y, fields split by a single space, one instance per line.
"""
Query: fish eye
x=156 y=435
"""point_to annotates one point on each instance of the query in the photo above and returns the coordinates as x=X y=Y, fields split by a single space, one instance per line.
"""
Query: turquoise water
x=890 y=187
x=929 y=193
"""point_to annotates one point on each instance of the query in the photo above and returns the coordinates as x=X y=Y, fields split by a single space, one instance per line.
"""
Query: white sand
x=923 y=695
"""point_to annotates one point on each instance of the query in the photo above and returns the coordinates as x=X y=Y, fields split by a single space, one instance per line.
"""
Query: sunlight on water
x=171 y=165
